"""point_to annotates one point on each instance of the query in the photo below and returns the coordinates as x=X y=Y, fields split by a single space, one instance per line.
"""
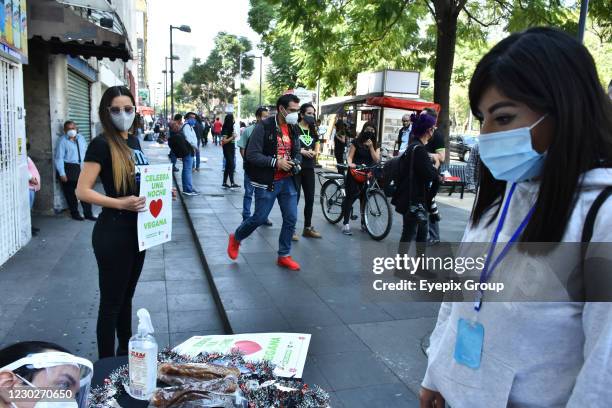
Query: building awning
x=401 y=103
x=336 y=104
x=77 y=31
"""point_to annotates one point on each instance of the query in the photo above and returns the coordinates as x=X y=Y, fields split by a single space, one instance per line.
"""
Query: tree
x=333 y=40
x=216 y=77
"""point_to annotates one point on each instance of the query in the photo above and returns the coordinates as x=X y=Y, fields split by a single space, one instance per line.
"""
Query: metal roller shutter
x=9 y=176
x=79 y=104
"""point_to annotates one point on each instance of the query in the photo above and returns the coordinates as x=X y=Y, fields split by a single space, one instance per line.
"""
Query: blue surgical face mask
x=191 y=121
x=509 y=154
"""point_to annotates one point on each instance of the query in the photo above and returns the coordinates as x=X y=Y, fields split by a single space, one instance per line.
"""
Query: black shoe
x=268 y=223
x=354 y=217
x=235 y=185
x=35 y=231
x=225 y=185
x=77 y=217
x=91 y=217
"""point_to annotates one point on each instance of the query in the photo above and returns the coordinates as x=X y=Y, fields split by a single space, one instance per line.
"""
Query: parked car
x=461 y=145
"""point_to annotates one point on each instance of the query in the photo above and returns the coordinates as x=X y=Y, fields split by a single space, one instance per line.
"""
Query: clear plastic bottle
x=143 y=359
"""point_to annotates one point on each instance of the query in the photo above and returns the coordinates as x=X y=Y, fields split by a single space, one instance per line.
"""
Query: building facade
x=15 y=230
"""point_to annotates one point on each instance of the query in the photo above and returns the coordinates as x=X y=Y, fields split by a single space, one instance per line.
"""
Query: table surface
x=102 y=369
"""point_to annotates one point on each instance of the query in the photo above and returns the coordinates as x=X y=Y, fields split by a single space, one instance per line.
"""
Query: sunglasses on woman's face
x=116 y=110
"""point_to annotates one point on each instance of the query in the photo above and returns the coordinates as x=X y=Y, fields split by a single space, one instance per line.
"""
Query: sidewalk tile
x=354 y=369
x=386 y=395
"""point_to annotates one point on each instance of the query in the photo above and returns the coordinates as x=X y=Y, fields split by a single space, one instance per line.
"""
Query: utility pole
x=584 y=9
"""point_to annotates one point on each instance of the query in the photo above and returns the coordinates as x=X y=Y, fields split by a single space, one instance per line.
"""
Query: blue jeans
x=187 y=173
x=248 y=197
x=197 y=159
x=33 y=195
x=285 y=193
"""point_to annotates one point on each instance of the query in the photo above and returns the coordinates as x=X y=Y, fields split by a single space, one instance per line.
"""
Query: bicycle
x=378 y=217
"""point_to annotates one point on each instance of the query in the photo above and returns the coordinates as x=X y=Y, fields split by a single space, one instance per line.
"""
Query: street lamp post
x=584 y=9
x=165 y=72
x=185 y=29
x=260 y=75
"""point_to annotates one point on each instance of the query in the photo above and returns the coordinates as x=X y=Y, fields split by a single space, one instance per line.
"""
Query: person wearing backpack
x=416 y=173
x=546 y=177
x=174 y=127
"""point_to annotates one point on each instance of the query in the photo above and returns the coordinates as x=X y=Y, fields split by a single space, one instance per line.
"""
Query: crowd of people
x=525 y=92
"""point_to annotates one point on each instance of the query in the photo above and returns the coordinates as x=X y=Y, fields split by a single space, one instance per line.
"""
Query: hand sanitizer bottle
x=143 y=359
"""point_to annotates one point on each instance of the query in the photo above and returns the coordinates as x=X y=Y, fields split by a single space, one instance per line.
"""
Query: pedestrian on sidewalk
x=272 y=158
x=33 y=183
x=412 y=197
x=189 y=134
x=260 y=114
x=305 y=179
x=114 y=157
x=437 y=153
x=229 y=151
x=199 y=132
x=546 y=178
x=340 y=136
x=216 y=131
x=364 y=150
x=206 y=124
x=69 y=154
x=403 y=136
x=174 y=128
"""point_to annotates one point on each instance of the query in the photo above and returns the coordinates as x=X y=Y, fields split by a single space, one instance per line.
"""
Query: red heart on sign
x=247 y=347
x=155 y=206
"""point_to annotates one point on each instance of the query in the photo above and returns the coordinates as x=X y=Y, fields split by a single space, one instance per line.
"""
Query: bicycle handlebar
x=359 y=166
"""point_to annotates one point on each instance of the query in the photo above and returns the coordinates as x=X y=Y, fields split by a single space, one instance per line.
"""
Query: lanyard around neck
x=491 y=265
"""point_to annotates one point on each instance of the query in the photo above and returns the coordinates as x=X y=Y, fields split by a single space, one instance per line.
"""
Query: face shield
x=60 y=379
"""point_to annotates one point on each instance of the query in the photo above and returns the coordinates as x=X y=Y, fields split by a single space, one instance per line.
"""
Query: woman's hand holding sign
x=132 y=203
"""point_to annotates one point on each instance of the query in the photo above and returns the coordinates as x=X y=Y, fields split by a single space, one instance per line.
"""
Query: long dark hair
x=303 y=109
x=228 y=125
x=550 y=72
x=121 y=154
x=361 y=139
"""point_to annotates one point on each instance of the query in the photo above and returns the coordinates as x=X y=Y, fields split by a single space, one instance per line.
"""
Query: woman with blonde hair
x=114 y=156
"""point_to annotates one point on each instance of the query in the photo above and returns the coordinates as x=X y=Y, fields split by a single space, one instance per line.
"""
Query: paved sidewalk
x=49 y=289
x=368 y=354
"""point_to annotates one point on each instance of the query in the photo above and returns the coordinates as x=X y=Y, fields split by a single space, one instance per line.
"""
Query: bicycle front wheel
x=332 y=196
x=378 y=215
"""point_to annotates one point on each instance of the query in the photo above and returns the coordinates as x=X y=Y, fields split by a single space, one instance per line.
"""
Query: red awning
x=400 y=103
x=145 y=110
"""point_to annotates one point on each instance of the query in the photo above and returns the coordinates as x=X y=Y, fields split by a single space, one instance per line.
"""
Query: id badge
x=468 y=348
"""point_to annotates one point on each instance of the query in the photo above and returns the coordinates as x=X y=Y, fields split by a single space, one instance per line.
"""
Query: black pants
x=229 y=152
x=354 y=190
x=69 y=188
x=412 y=230
x=115 y=244
x=306 y=179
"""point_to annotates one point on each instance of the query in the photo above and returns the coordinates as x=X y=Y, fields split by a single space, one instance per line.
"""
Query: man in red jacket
x=216 y=131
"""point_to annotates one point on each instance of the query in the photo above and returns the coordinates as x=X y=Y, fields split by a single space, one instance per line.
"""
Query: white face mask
x=291 y=118
x=71 y=133
x=123 y=121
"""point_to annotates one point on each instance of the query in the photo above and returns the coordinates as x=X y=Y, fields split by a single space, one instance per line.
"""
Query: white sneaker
x=346 y=229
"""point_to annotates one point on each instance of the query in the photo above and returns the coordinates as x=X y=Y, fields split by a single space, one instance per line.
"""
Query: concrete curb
x=227 y=327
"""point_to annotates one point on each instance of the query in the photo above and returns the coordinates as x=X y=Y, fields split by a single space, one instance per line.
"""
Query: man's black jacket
x=262 y=149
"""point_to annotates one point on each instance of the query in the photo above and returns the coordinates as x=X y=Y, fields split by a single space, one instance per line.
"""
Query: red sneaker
x=232 y=247
x=287 y=262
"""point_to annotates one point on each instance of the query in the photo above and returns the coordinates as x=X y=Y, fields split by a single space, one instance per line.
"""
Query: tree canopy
x=215 y=78
x=333 y=40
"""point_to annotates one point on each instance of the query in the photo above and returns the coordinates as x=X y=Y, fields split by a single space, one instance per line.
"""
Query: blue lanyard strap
x=489 y=268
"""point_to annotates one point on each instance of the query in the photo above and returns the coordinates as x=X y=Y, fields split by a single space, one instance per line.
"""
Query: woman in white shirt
x=546 y=148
